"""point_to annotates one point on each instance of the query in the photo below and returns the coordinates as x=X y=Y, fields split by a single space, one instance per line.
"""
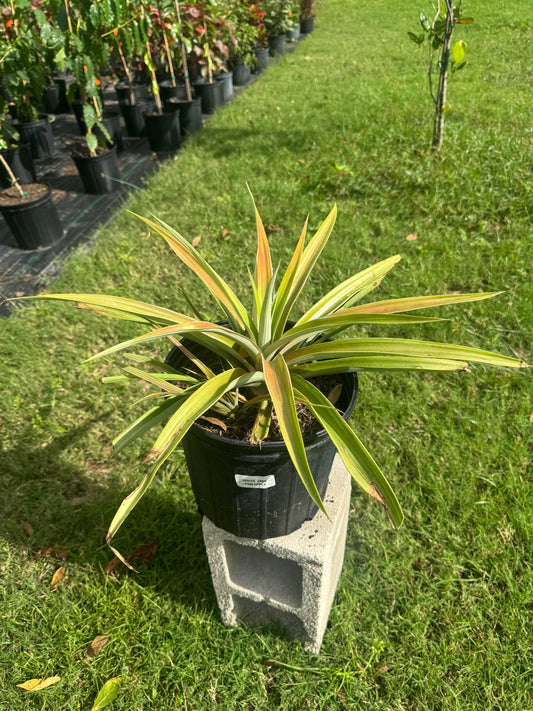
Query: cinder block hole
x=272 y=577
x=261 y=614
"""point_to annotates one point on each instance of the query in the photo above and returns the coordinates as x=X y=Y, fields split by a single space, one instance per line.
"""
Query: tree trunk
x=438 y=122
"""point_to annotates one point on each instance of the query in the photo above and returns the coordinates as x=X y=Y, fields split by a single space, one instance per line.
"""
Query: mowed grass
x=433 y=617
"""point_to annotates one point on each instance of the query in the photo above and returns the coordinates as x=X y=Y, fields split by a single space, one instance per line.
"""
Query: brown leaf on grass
x=531 y=417
x=38 y=684
x=97 y=645
x=27 y=527
x=225 y=233
x=196 y=241
x=143 y=553
x=272 y=228
x=57 y=577
x=411 y=237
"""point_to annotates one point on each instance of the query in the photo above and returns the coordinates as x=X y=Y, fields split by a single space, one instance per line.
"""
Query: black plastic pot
x=34 y=224
x=21 y=163
x=252 y=491
x=226 y=79
x=294 y=34
x=63 y=107
x=277 y=45
x=190 y=114
x=261 y=59
x=241 y=73
x=167 y=91
x=163 y=131
x=99 y=174
x=212 y=95
x=307 y=25
x=51 y=99
x=133 y=116
x=111 y=120
x=125 y=92
x=39 y=135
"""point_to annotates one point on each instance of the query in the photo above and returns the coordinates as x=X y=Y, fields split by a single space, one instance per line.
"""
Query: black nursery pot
x=51 y=99
x=21 y=163
x=241 y=73
x=126 y=92
x=252 y=491
x=39 y=135
x=163 y=131
x=111 y=120
x=34 y=224
x=261 y=59
x=277 y=45
x=226 y=79
x=133 y=116
x=212 y=95
x=307 y=25
x=190 y=113
x=167 y=91
x=63 y=107
x=99 y=174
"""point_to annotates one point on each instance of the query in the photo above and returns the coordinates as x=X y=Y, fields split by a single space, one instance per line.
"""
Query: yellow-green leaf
x=107 y=694
x=38 y=684
x=459 y=51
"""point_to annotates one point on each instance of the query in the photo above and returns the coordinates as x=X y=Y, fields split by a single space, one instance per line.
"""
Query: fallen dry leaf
x=215 y=421
x=27 y=527
x=196 y=241
x=225 y=233
x=411 y=237
x=531 y=417
x=57 y=577
x=38 y=684
x=97 y=645
x=273 y=228
x=143 y=553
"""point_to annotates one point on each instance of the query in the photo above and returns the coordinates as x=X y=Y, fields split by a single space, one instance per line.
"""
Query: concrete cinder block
x=289 y=580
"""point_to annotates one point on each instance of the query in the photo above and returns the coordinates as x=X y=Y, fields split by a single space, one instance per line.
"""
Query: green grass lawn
x=433 y=617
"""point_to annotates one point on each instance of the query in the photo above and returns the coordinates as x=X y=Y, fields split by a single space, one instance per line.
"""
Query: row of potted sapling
x=174 y=61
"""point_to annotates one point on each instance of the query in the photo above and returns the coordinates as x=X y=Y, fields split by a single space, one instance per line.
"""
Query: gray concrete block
x=290 y=580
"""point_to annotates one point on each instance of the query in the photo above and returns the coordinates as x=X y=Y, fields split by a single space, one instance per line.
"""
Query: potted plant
x=96 y=157
x=23 y=74
x=27 y=207
x=162 y=127
x=277 y=22
x=293 y=35
x=258 y=376
x=247 y=34
x=181 y=98
x=307 y=16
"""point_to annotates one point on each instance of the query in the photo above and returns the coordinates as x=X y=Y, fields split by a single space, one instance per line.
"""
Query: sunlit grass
x=433 y=617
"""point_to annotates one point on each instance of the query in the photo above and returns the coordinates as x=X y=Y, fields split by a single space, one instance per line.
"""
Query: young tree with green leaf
x=442 y=59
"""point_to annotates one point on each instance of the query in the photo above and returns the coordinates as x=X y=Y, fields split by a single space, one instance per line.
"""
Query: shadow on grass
x=46 y=501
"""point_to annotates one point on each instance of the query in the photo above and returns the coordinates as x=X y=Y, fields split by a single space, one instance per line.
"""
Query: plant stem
x=438 y=122
x=169 y=59
x=155 y=87
x=127 y=72
x=11 y=175
x=184 y=58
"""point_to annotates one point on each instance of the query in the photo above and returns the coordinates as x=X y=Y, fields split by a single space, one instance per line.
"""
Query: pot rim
x=27 y=205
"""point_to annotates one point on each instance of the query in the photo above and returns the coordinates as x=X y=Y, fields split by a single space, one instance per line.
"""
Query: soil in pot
x=163 y=131
x=190 y=114
x=39 y=135
x=33 y=219
x=100 y=174
x=254 y=491
x=21 y=163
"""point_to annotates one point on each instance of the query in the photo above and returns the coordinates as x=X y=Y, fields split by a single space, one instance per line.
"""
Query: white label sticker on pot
x=245 y=481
